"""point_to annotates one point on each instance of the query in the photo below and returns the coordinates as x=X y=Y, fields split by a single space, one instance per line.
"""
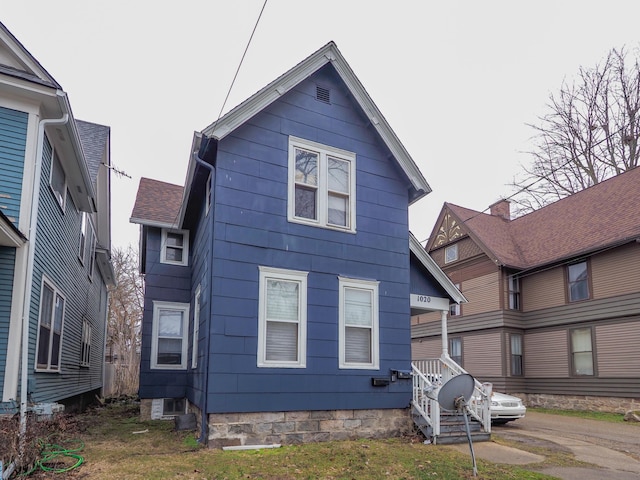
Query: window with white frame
x=321 y=185
x=581 y=351
x=85 y=349
x=83 y=236
x=282 y=318
x=169 y=335
x=359 y=324
x=58 y=180
x=50 y=325
x=196 y=328
x=451 y=253
x=175 y=247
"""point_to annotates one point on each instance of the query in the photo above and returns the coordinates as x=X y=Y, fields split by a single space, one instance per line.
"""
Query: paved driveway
x=614 y=447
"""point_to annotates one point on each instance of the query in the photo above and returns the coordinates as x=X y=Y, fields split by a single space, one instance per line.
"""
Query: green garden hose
x=52 y=452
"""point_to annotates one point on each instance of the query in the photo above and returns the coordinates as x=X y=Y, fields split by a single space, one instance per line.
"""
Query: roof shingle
x=157 y=202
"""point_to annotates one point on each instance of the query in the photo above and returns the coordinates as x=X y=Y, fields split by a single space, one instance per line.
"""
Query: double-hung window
x=321 y=185
x=514 y=292
x=169 y=335
x=175 y=247
x=359 y=324
x=58 y=180
x=85 y=348
x=581 y=351
x=516 y=354
x=578 y=281
x=50 y=325
x=282 y=318
x=455 y=350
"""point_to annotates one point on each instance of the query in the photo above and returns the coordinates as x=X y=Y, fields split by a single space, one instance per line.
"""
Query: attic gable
x=329 y=54
x=17 y=62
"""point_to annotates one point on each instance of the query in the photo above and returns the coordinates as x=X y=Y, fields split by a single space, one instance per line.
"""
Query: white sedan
x=505 y=408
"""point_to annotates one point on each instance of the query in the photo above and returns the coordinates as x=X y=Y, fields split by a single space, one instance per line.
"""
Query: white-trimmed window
x=358 y=322
x=58 y=180
x=50 y=325
x=451 y=253
x=175 y=247
x=85 y=349
x=196 y=328
x=83 y=236
x=321 y=185
x=282 y=318
x=169 y=335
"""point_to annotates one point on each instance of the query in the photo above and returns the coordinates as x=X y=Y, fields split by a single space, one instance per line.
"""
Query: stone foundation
x=581 y=402
x=289 y=428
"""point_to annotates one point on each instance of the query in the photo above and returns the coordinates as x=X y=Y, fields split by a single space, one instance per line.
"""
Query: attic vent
x=323 y=94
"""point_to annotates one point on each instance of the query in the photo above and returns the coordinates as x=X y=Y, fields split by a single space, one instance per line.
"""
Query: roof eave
x=433 y=268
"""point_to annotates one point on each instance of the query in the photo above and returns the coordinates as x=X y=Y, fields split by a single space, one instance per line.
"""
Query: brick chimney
x=501 y=209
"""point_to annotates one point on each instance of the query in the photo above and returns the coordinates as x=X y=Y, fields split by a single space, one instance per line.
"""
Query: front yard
x=115 y=444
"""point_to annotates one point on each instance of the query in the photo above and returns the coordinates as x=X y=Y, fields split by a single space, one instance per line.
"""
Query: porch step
x=452 y=429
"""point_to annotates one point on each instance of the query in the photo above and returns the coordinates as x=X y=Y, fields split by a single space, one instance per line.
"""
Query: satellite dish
x=454 y=396
x=456 y=392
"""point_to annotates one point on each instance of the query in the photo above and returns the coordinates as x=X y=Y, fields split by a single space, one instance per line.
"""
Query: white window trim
x=288 y=275
x=322 y=198
x=451 y=248
x=56 y=291
x=61 y=201
x=85 y=346
x=196 y=327
x=372 y=286
x=185 y=247
x=184 y=308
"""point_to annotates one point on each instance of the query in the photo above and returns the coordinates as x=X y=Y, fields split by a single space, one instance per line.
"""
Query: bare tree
x=589 y=134
x=126 y=303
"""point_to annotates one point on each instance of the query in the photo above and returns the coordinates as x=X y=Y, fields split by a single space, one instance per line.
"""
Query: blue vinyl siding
x=7 y=266
x=13 y=138
x=56 y=256
x=168 y=283
x=252 y=229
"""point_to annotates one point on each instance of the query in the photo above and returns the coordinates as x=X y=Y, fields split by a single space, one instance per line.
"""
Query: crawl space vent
x=323 y=94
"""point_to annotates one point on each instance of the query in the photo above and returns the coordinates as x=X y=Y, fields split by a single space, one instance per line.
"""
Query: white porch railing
x=429 y=375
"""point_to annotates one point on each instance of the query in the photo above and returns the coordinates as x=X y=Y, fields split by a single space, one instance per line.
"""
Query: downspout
x=26 y=303
x=204 y=427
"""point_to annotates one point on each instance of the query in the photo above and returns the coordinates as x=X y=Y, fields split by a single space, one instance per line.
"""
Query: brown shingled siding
x=545 y=354
x=483 y=354
x=422 y=349
x=616 y=272
x=543 y=290
x=617 y=349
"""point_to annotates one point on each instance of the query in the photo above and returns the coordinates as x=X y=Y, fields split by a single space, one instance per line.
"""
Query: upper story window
x=85 y=347
x=321 y=185
x=359 y=330
x=50 y=322
x=282 y=318
x=514 y=292
x=169 y=335
x=578 y=281
x=175 y=247
x=451 y=253
x=58 y=180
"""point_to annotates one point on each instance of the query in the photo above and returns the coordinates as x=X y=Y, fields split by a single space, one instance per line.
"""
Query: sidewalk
x=608 y=463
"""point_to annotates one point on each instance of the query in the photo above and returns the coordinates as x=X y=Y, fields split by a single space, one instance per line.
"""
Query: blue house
x=55 y=239
x=281 y=277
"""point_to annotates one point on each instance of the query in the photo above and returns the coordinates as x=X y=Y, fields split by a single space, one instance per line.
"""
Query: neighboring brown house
x=554 y=297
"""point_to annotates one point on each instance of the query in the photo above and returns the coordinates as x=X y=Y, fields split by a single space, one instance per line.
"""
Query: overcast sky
x=457 y=80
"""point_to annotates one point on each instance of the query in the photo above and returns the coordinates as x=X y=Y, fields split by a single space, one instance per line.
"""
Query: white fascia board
x=433 y=268
x=9 y=236
x=150 y=223
x=327 y=54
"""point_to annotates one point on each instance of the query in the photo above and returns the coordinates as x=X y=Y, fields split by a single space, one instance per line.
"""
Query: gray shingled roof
x=157 y=203
x=94 y=139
